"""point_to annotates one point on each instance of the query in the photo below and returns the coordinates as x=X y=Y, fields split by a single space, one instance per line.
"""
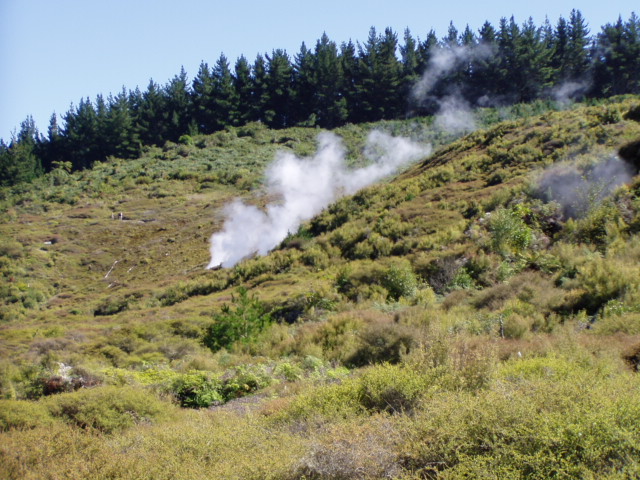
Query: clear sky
x=53 y=53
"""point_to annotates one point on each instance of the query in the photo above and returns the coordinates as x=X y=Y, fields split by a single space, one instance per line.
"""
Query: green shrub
x=197 y=390
x=602 y=280
x=288 y=371
x=509 y=233
x=246 y=379
x=107 y=409
x=111 y=306
x=23 y=414
x=400 y=281
x=381 y=342
x=11 y=249
x=392 y=389
x=242 y=322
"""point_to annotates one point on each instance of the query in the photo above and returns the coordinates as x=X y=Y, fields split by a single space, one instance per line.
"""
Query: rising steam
x=578 y=190
x=304 y=186
x=454 y=113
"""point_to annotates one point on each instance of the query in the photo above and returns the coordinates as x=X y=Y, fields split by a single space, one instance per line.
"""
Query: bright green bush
x=400 y=281
x=197 y=390
x=509 y=233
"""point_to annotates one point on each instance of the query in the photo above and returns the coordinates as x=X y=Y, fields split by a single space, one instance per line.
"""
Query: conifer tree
x=304 y=82
x=533 y=73
x=484 y=81
x=278 y=89
x=225 y=100
x=120 y=132
x=242 y=85
x=578 y=47
x=52 y=150
x=368 y=102
x=379 y=83
x=19 y=162
x=259 y=92
x=178 y=106
x=425 y=50
x=350 y=80
x=202 y=99
x=560 y=51
x=81 y=135
x=101 y=145
x=390 y=76
x=609 y=60
x=617 y=58
x=153 y=116
x=329 y=105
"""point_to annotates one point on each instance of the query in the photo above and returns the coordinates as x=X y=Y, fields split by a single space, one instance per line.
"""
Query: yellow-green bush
x=107 y=409
x=23 y=414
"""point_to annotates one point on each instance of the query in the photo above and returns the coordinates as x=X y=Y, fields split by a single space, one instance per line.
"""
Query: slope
x=488 y=319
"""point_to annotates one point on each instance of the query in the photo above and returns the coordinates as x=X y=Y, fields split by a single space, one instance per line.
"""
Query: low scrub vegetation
x=462 y=319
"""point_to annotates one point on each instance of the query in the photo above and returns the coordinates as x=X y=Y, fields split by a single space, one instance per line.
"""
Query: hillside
x=476 y=315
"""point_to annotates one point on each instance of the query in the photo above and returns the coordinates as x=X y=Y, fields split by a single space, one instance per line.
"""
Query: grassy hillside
x=478 y=315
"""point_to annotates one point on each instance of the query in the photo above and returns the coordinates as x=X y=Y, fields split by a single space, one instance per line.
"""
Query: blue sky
x=55 y=52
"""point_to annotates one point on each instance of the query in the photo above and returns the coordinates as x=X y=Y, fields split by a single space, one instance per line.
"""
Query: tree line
x=330 y=85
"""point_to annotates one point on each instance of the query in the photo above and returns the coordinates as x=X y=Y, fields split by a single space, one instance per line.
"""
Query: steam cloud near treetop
x=304 y=186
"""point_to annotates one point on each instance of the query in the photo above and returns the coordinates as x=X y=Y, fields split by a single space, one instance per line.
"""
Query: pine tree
x=225 y=101
x=19 y=161
x=329 y=105
x=533 y=63
x=52 y=150
x=368 y=101
x=242 y=85
x=379 y=83
x=153 y=116
x=390 y=76
x=202 y=98
x=409 y=56
x=630 y=53
x=101 y=147
x=609 y=61
x=560 y=51
x=425 y=51
x=81 y=135
x=350 y=80
x=259 y=89
x=578 y=47
x=178 y=106
x=6 y=165
x=278 y=89
x=304 y=82
x=120 y=132
x=451 y=40
x=484 y=81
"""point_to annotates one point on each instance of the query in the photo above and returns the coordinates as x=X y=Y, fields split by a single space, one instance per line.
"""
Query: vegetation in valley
x=470 y=317
x=475 y=316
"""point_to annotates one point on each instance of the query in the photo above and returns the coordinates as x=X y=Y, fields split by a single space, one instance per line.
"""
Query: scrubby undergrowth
x=478 y=315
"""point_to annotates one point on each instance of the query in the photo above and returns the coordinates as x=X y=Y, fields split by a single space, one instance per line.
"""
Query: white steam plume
x=568 y=91
x=454 y=113
x=304 y=186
